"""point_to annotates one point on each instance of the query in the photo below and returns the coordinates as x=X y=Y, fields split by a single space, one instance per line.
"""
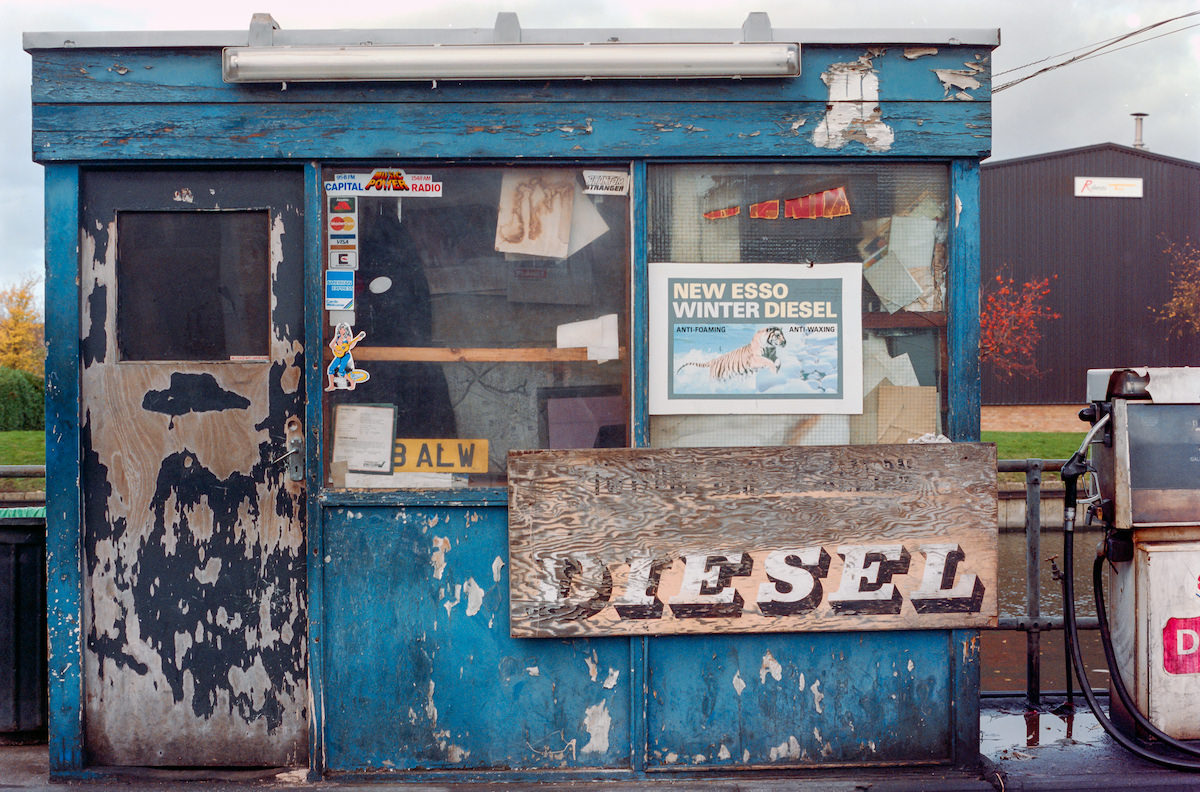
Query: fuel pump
x=1145 y=457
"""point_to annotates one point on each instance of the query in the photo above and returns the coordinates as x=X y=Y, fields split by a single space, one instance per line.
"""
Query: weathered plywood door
x=194 y=613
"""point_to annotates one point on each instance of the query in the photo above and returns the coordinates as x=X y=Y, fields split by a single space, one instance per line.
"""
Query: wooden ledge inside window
x=471 y=354
x=877 y=320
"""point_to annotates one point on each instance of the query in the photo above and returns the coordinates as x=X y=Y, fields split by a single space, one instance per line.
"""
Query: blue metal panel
x=800 y=699
x=964 y=694
x=313 y=348
x=963 y=301
x=63 y=514
x=76 y=76
x=640 y=437
x=421 y=672
x=639 y=313
x=428 y=130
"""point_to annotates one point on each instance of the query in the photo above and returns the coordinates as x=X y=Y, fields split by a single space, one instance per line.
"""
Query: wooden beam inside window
x=472 y=354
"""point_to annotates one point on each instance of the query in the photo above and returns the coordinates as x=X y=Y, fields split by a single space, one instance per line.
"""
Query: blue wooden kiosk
x=231 y=582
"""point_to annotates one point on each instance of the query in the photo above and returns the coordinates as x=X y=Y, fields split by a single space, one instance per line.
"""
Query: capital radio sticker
x=385 y=181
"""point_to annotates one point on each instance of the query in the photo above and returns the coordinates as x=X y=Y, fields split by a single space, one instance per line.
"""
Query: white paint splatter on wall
x=788 y=749
x=474 y=596
x=441 y=546
x=770 y=666
x=597 y=721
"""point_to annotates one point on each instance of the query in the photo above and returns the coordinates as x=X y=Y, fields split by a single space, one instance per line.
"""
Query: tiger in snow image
x=759 y=353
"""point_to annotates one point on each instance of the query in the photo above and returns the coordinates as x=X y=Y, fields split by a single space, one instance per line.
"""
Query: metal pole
x=1033 y=554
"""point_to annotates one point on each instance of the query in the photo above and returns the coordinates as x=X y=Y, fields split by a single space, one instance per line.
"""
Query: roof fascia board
x=176 y=39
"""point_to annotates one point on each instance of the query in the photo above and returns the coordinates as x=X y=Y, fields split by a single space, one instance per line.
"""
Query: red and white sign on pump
x=1181 y=646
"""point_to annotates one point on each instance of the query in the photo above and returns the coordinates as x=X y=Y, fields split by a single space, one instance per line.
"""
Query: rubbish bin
x=22 y=624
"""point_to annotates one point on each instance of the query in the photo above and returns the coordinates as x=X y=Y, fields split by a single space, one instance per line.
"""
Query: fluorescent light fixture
x=510 y=62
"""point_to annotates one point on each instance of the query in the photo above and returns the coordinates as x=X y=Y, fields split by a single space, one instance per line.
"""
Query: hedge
x=22 y=405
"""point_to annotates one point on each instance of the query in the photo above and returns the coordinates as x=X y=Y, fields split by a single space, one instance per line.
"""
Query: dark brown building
x=1100 y=218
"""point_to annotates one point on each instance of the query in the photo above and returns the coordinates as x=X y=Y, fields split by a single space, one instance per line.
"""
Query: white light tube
x=510 y=62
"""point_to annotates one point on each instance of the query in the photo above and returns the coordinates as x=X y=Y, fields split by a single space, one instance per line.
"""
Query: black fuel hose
x=1072 y=470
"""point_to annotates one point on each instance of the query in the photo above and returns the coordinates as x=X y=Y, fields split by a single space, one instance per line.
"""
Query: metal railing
x=1033 y=623
x=22 y=498
x=22 y=471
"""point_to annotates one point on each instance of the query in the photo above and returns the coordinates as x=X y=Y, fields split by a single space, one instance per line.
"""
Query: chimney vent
x=1137 y=130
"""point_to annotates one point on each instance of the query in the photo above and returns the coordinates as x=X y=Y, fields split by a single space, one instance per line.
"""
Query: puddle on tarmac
x=1014 y=732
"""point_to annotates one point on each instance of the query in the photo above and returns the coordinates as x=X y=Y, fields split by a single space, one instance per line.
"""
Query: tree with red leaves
x=1010 y=321
x=1181 y=313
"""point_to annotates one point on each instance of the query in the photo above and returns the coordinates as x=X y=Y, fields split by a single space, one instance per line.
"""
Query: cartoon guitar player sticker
x=342 y=373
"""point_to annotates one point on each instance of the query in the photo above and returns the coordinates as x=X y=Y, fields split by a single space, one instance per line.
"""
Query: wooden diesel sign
x=635 y=541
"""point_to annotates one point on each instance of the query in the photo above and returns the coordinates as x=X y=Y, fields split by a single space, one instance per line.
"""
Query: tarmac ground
x=1022 y=749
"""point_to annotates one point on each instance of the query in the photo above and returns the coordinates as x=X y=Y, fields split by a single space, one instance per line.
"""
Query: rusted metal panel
x=194 y=594
x=1110 y=249
x=627 y=542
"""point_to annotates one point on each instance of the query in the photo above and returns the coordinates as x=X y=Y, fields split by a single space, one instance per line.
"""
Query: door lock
x=295 y=450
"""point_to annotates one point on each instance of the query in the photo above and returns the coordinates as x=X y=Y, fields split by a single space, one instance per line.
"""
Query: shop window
x=193 y=285
x=492 y=305
x=890 y=218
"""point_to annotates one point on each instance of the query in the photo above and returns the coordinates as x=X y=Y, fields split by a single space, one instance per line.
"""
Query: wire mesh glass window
x=492 y=317
x=891 y=217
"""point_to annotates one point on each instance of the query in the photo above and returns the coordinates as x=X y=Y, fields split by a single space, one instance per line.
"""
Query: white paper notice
x=363 y=437
x=598 y=335
x=911 y=240
x=878 y=366
x=586 y=223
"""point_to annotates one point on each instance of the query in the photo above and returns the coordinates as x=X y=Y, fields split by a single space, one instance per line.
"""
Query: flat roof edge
x=175 y=39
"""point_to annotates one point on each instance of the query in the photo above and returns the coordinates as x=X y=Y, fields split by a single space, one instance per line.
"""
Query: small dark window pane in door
x=193 y=285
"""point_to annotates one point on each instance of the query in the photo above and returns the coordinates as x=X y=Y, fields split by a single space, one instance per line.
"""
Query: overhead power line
x=1057 y=55
x=1096 y=51
x=1143 y=41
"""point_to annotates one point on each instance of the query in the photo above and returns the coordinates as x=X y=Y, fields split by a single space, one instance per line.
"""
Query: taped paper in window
x=767 y=210
x=827 y=204
x=536 y=208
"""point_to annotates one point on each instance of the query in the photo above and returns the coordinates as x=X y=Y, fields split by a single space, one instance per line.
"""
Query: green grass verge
x=1034 y=445
x=22 y=448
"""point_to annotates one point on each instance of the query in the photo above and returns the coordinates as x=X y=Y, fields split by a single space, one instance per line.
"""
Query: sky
x=1080 y=104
